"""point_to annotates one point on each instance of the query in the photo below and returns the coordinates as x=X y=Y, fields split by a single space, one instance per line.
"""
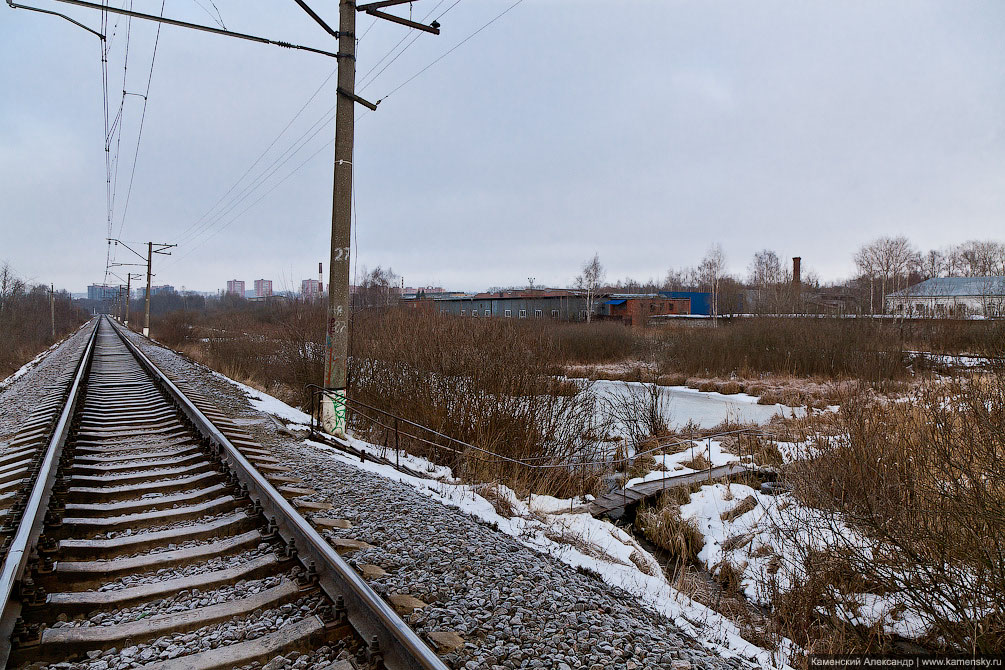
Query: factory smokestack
x=796 y=278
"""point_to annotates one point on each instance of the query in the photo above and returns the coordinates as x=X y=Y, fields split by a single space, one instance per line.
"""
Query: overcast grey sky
x=645 y=130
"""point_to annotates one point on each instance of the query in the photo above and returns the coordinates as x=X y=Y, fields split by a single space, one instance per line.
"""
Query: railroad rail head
x=190 y=461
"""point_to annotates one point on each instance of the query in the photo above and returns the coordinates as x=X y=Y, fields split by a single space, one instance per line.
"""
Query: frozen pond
x=705 y=409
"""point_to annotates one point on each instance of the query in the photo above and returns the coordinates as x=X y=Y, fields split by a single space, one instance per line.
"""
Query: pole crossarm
x=433 y=28
x=318 y=19
x=118 y=242
x=381 y=3
x=355 y=98
x=14 y=5
x=196 y=26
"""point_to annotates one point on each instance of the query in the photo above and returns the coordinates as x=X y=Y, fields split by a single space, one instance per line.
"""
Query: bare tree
x=590 y=280
x=11 y=286
x=681 y=279
x=764 y=274
x=711 y=270
x=889 y=259
x=379 y=288
x=933 y=264
x=979 y=258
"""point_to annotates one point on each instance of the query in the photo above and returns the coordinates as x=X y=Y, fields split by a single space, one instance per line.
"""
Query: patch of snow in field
x=263 y=402
x=954 y=360
x=705 y=409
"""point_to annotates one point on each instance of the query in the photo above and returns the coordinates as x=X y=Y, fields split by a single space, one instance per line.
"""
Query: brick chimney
x=796 y=278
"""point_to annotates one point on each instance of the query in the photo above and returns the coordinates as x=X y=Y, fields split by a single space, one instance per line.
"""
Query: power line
x=451 y=50
x=261 y=178
x=218 y=19
x=325 y=118
x=117 y=125
x=143 y=116
x=210 y=220
x=325 y=146
x=262 y=155
x=108 y=168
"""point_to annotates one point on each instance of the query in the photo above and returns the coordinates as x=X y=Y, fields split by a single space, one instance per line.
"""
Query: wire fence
x=403 y=435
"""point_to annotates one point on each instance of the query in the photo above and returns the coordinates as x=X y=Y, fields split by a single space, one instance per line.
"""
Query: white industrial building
x=958 y=297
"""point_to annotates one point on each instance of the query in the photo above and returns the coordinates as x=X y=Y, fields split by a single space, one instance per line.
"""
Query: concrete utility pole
x=129 y=292
x=52 y=308
x=161 y=249
x=333 y=408
x=146 y=315
x=152 y=248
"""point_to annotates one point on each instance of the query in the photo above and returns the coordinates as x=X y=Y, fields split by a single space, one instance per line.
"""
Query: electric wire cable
x=257 y=181
x=327 y=144
x=143 y=116
x=216 y=220
x=451 y=50
x=263 y=154
x=218 y=19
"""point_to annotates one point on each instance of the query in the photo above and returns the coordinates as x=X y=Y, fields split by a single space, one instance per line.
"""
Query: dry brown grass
x=501 y=503
x=699 y=462
x=728 y=576
x=25 y=320
x=922 y=481
x=663 y=526
x=740 y=509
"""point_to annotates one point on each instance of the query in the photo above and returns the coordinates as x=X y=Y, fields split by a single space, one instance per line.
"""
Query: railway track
x=144 y=529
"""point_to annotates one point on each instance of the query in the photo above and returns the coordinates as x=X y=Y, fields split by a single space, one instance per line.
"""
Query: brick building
x=636 y=310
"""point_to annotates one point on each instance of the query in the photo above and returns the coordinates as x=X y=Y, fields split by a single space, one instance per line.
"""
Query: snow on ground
x=764 y=542
x=551 y=526
x=954 y=360
x=705 y=409
x=582 y=541
x=672 y=464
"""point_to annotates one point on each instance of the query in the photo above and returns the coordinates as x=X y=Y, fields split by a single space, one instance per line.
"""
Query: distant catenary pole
x=146 y=318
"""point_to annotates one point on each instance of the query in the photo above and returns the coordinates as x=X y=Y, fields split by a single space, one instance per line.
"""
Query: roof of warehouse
x=954 y=287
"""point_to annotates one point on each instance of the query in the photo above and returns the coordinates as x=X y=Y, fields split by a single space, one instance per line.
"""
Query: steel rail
x=31 y=521
x=402 y=649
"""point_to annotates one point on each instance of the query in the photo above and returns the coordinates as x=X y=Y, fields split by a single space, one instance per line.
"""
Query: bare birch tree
x=589 y=281
x=764 y=275
x=711 y=270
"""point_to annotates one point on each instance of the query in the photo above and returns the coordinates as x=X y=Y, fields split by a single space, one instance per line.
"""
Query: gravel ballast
x=20 y=396
x=513 y=607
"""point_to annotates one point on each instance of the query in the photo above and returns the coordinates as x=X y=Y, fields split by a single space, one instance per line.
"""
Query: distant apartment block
x=263 y=288
x=235 y=287
x=311 y=289
x=102 y=292
x=141 y=293
x=423 y=290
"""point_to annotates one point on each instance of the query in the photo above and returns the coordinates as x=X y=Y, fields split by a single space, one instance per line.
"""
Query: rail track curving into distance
x=133 y=514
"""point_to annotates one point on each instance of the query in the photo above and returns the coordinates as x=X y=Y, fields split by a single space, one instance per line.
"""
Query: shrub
x=920 y=481
x=26 y=320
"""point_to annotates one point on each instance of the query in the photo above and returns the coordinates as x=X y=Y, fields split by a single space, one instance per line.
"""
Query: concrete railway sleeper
x=142 y=528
